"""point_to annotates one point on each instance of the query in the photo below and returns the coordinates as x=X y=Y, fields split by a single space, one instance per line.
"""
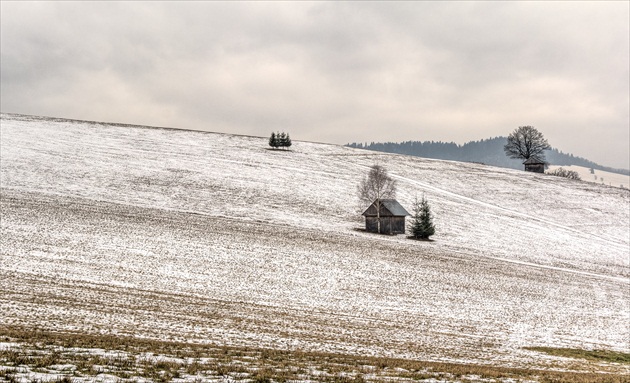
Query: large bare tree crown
x=526 y=142
x=376 y=185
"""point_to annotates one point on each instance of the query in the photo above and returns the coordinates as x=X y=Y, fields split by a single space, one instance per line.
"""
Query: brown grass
x=256 y=365
x=594 y=355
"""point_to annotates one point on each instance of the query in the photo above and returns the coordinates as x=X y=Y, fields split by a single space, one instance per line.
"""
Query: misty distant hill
x=489 y=152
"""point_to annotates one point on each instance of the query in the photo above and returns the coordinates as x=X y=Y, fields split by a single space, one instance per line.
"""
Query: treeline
x=280 y=140
x=488 y=151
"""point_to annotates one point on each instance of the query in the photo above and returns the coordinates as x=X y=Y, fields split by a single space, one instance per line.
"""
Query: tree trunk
x=378 y=216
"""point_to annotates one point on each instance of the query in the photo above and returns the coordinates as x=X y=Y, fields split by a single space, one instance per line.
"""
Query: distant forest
x=489 y=152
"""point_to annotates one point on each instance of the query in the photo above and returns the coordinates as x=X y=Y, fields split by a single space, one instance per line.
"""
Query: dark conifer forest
x=488 y=151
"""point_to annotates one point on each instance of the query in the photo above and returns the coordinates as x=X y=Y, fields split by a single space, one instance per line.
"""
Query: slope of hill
x=204 y=237
x=597 y=176
x=489 y=151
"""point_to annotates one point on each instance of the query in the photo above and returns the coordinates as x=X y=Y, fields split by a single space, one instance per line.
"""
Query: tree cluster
x=422 y=220
x=570 y=174
x=279 y=140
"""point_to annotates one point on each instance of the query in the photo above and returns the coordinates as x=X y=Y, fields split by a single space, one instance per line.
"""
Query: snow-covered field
x=205 y=237
x=597 y=176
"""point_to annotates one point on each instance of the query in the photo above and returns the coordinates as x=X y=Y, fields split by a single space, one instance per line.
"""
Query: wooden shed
x=392 y=217
x=534 y=165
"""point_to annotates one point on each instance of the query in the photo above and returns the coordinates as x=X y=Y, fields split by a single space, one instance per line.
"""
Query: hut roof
x=389 y=207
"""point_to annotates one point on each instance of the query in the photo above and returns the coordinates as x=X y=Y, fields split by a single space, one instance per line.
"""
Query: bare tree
x=375 y=187
x=526 y=142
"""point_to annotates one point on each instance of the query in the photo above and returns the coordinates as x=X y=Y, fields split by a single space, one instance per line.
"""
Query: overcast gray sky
x=333 y=72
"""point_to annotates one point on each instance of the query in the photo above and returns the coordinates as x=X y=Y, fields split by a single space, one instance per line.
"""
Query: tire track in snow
x=607 y=240
x=624 y=280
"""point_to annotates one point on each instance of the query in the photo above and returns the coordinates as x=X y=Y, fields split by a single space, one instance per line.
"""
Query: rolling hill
x=213 y=238
x=488 y=151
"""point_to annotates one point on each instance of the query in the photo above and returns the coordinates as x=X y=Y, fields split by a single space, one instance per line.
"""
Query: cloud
x=330 y=71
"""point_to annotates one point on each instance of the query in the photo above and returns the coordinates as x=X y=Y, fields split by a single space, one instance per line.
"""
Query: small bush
x=561 y=172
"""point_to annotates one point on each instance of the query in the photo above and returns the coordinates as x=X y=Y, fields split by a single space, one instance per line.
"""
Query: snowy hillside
x=597 y=176
x=214 y=238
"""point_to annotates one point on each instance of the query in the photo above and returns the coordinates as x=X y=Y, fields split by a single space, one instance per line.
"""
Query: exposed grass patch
x=594 y=355
x=131 y=358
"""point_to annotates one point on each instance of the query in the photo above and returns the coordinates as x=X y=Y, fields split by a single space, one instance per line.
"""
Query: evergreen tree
x=282 y=139
x=273 y=140
x=422 y=225
x=279 y=140
x=416 y=218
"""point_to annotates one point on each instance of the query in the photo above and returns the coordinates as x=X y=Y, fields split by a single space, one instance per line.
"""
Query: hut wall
x=398 y=225
x=371 y=224
x=389 y=225
x=536 y=168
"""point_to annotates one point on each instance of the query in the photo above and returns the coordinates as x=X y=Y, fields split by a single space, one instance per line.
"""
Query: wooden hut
x=392 y=217
x=534 y=165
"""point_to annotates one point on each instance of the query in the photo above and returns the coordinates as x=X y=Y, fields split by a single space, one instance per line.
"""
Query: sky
x=335 y=72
